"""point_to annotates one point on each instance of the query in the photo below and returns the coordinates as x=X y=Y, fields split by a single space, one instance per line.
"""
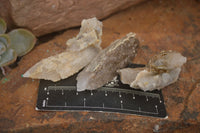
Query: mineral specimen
x=128 y=74
x=161 y=71
x=90 y=34
x=82 y=50
x=103 y=67
x=62 y=65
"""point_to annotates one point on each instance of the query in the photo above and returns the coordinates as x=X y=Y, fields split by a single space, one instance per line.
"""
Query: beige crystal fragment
x=90 y=34
x=161 y=71
x=166 y=61
x=62 y=65
x=128 y=75
x=81 y=51
x=103 y=67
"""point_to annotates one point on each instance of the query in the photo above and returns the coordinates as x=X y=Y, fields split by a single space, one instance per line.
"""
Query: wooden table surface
x=159 y=25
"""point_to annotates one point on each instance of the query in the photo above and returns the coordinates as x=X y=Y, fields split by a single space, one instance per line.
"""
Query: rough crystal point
x=162 y=70
x=90 y=34
x=128 y=75
x=149 y=81
x=103 y=67
x=61 y=66
x=82 y=50
x=166 y=61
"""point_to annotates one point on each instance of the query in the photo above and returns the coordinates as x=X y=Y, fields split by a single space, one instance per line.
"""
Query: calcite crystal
x=82 y=50
x=128 y=75
x=90 y=34
x=162 y=70
x=62 y=65
x=103 y=67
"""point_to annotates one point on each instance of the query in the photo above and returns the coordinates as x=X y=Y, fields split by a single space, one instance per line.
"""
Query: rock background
x=46 y=16
x=159 y=25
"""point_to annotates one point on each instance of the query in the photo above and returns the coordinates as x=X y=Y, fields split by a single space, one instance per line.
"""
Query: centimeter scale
x=113 y=97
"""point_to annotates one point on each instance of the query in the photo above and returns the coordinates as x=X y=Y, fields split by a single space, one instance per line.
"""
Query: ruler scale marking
x=62 y=95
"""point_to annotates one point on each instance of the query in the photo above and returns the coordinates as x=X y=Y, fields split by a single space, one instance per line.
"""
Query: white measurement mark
x=156 y=108
x=121 y=104
x=103 y=105
x=65 y=104
x=91 y=93
x=120 y=94
x=47 y=92
x=104 y=108
x=76 y=93
x=44 y=103
x=45 y=88
x=139 y=109
x=147 y=98
x=84 y=100
x=62 y=92
x=47 y=98
x=106 y=94
x=133 y=96
x=160 y=101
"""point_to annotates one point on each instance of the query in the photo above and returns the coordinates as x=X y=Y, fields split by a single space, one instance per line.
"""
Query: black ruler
x=113 y=97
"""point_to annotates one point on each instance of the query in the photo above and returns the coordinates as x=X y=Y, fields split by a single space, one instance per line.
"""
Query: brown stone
x=159 y=25
x=46 y=16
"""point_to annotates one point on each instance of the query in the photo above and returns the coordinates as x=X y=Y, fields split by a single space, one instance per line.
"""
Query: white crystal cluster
x=162 y=70
x=90 y=34
x=103 y=65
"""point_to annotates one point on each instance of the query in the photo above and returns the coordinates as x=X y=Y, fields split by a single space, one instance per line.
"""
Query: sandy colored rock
x=81 y=51
x=128 y=75
x=103 y=67
x=48 y=16
x=62 y=65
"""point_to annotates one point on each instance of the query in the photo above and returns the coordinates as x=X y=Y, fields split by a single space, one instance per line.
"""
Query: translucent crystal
x=61 y=66
x=80 y=52
x=103 y=67
x=162 y=70
x=128 y=75
x=90 y=34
